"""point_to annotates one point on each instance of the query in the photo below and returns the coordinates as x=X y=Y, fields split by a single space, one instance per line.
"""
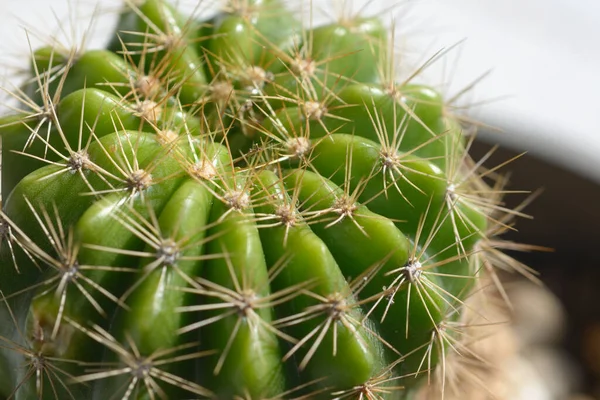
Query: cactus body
x=235 y=208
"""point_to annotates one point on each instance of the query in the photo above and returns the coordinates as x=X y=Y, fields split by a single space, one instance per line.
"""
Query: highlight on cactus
x=245 y=205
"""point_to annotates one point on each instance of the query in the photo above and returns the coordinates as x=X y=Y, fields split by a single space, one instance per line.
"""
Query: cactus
x=237 y=207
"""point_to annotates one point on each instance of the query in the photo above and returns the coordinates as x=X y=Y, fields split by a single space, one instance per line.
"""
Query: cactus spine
x=239 y=207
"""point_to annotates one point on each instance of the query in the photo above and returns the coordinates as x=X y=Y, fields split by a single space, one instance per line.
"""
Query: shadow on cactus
x=237 y=208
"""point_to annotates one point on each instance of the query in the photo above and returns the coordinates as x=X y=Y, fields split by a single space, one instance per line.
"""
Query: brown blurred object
x=591 y=347
x=580 y=397
x=502 y=360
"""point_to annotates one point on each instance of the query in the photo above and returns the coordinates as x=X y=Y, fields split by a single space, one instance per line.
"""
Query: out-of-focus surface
x=516 y=361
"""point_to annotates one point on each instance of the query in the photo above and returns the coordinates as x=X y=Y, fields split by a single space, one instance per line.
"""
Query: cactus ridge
x=240 y=207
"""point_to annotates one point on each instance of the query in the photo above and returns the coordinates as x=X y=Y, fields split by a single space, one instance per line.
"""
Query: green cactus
x=240 y=207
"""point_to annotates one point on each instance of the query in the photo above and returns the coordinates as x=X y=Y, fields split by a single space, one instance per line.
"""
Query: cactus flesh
x=235 y=207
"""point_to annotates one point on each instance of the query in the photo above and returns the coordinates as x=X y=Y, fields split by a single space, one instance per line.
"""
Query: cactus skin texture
x=235 y=208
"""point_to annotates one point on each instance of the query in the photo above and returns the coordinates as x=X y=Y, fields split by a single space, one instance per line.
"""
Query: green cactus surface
x=244 y=206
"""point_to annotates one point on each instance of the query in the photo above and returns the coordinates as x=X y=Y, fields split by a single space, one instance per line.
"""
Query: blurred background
x=539 y=92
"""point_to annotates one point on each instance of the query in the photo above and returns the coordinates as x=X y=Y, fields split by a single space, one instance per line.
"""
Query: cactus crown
x=238 y=207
